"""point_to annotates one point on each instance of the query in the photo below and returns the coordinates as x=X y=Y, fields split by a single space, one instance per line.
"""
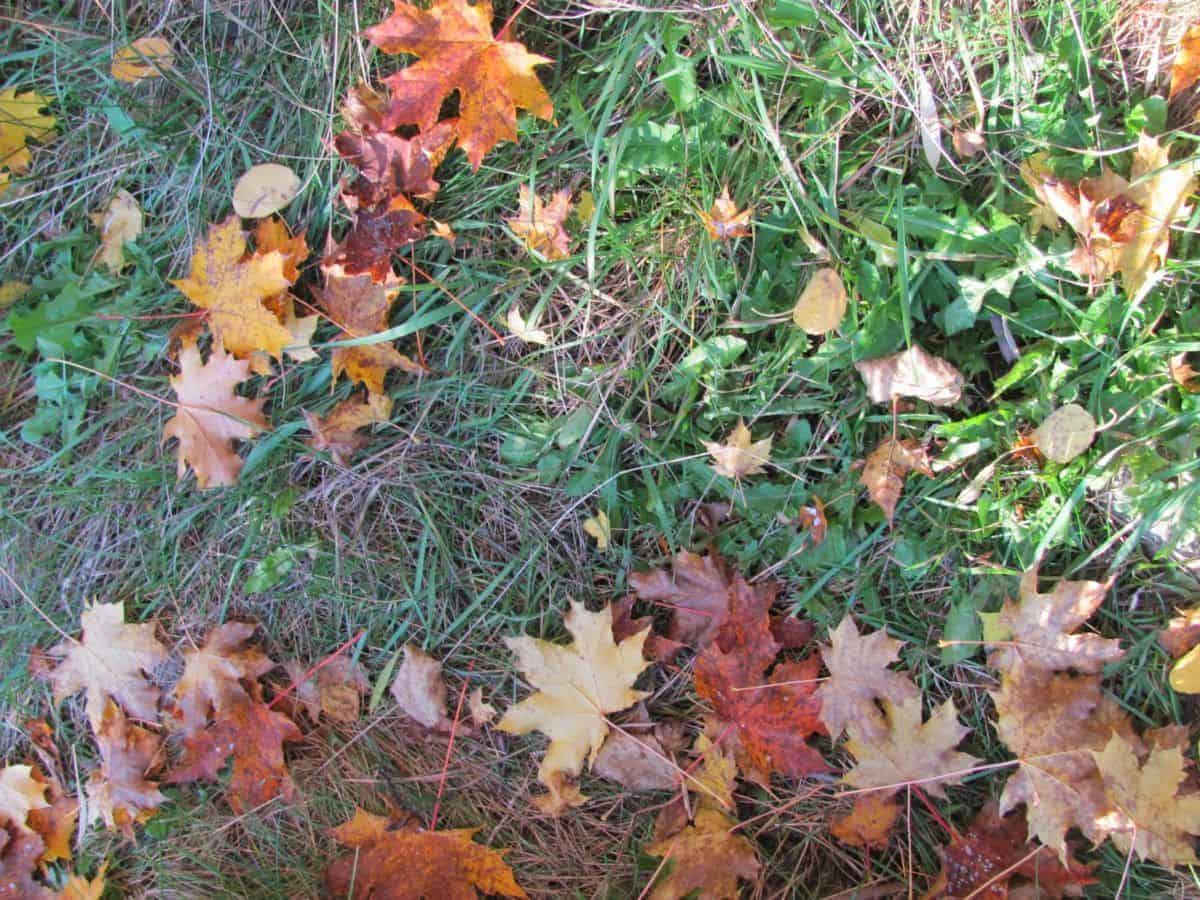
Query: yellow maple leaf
x=886 y=468
x=20 y=122
x=119 y=223
x=233 y=287
x=148 y=57
x=724 y=220
x=539 y=224
x=577 y=687
x=20 y=794
x=1161 y=190
x=739 y=457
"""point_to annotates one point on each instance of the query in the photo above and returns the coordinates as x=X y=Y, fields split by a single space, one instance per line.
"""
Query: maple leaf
x=233 y=287
x=632 y=756
x=911 y=751
x=392 y=861
x=19 y=852
x=359 y=305
x=419 y=689
x=211 y=416
x=377 y=234
x=212 y=674
x=822 y=303
x=365 y=107
x=1161 y=191
x=389 y=165
x=887 y=466
x=119 y=223
x=696 y=589
x=911 y=373
x=109 y=661
x=577 y=687
x=21 y=122
x=870 y=821
x=456 y=51
x=1178 y=367
x=1185 y=69
x=523 y=330
x=1037 y=628
x=120 y=792
x=539 y=225
x=335 y=692
x=705 y=857
x=253 y=734
x=859 y=677
x=20 y=794
x=79 y=888
x=724 y=221
x=1155 y=819
x=625 y=625
x=994 y=852
x=148 y=57
x=338 y=432
x=774 y=715
x=738 y=457
x=271 y=235
x=55 y=824
x=1185 y=674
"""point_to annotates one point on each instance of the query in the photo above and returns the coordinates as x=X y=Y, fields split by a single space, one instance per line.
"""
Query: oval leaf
x=822 y=303
x=1066 y=433
x=264 y=189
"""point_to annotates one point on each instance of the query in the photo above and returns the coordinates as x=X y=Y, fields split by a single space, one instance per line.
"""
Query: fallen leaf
x=1161 y=191
x=773 y=715
x=523 y=330
x=1036 y=172
x=20 y=122
x=210 y=416
x=232 y=287
x=599 y=529
x=705 y=857
x=109 y=661
x=968 y=142
x=377 y=234
x=211 y=683
x=341 y=684
x=148 y=57
x=338 y=432
x=389 y=165
x=419 y=689
x=456 y=51
x=812 y=518
x=995 y=860
x=911 y=373
x=120 y=223
x=1185 y=674
x=695 y=588
x=272 y=234
x=577 y=687
x=1182 y=633
x=11 y=292
x=859 y=678
x=886 y=468
x=1066 y=433
x=869 y=822
x=79 y=888
x=738 y=457
x=633 y=757
x=1178 y=366
x=20 y=793
x=444 y=231
x=391 y=861
x=55 y=824
x=19 y=852
x=1185 y=69
x=822 y=304
x=119 y=792
x=365 y=107
x=539 y=225
x=264 y=189
x=1157 y=818
x=912 y=752
x=482 y=713
x=360 y=305
x=724 y=220
x=928 y=123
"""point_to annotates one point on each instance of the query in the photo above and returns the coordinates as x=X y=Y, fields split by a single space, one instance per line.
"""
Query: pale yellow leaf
x=147 y=57
x=822 y=303
x=1066 y=433
x=264 y=189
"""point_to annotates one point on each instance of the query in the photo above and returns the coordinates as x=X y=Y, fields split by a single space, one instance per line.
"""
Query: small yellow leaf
x=147 y=57
x=444 y=231
x=724 y=220
x=20 y=121
x=1185 y=71
x=598 y=527
x=738 y=457
x=264 y=189
x=119 y=223
x=523 y=330
x=11 y=292
x=822 y=303
x=1066 y=433
x=1185 y=674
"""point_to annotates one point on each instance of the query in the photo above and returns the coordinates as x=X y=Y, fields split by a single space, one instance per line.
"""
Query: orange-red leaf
x=389 y=165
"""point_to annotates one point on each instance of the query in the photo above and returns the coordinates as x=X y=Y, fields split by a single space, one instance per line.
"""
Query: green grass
x=461 y=522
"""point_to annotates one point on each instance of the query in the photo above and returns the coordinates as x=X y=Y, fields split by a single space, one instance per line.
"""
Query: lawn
x=462 y=520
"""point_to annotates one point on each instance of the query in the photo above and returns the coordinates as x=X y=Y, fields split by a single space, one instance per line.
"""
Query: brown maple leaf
x=859 y=678
x=19 y=853
x=1181 y=634
x=724 y=220
x=634 y=757
x=211 y=416
x=110 y=661
x=539 y=225
x=233 y=286
x=870 y=821
x=393 y=861
x=456 y=51
x=695 y=589
x=886 y=468
x=773 y=715
x=339 y=432
x=995 y=855
x=705 y=857
x=213 y=674
x=377 y=233
x=389 y=165
x=55 y=824
x=120 y=791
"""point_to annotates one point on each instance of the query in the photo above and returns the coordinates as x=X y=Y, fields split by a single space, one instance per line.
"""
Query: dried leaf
x=120 y=792
x=523 y=330
x=911 y=373
x=20 y=122
x=705 y=857
x=79 y=888
x=338 y=432
x=577 y=687
x=419 y=689
x=1180 y=369
x=869 y=823
x=264 y=189
x=482 y=713
x=120 y=223
x=148 y=57
x=1185 y=674
x=859 y=678
x=773 y=715
x=211 y=683
x=928 y=123
x=456 y=51
x=1185 y=70
x=633 y=757
x=55 y=824
x=822 y=304
x=539 y=225
x=599 y=529
x=109 y=661
x=738 y=457
x=968 y=142
x=211 y=416
x=19 y=852
x=444 y=231
x=377 y=234
x=696 y=589
x=1066 y=433
x=341 y=685
x=886 y=468
x=389 y=165
x=724 y=220
x=394 y=862
x=20 y=793
x=1161 y=191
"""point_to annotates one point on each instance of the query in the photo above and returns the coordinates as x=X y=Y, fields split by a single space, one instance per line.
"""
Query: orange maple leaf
x=456 y=51
x=539 y=224
x=724 y=220
x=389 y=164
x=394 y=861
